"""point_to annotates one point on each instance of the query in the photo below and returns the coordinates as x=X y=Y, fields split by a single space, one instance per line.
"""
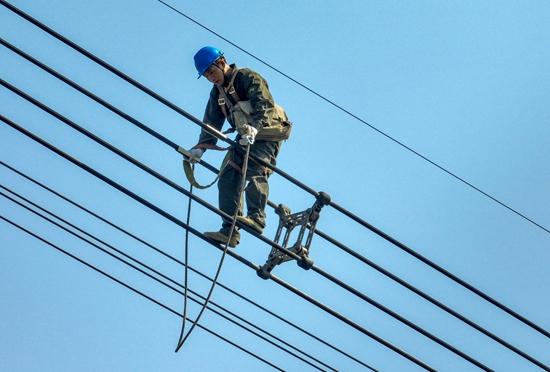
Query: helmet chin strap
x=223 y=72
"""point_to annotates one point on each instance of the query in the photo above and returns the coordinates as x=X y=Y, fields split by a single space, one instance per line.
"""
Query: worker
x=241 y=96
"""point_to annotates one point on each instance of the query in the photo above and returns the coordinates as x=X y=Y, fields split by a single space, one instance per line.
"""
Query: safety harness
x=238 y=113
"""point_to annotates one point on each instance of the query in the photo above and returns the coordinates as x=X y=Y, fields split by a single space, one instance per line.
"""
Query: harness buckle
x=221 y=101
x=288 y=221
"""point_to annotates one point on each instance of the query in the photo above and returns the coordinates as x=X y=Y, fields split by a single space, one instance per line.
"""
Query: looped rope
x=226 y=245
x=189 y=169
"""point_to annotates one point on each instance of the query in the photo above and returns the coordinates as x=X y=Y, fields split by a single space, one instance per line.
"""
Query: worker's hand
x=248 y=134
x=195 y=155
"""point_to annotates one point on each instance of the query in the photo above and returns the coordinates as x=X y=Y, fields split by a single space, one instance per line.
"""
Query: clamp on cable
x=288 y=221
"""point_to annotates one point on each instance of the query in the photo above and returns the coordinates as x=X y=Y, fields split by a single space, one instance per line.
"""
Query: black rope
x=174 y=259
x=142 y=294
x=186 y=265
x=201 y=236
x=244 y=169
x=175 y=146
x=205 y=305
x=349 y=113
x=261 y=237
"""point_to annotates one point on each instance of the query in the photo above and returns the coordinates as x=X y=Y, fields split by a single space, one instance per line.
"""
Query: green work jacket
x=249 y=85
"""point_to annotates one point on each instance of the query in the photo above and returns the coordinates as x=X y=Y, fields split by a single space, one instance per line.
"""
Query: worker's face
x=214 y=74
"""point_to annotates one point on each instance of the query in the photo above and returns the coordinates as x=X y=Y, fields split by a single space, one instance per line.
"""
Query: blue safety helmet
x=205 y=57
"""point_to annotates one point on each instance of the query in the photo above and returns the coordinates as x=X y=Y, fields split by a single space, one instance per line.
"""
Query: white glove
x=195 y=155
x=248 y=134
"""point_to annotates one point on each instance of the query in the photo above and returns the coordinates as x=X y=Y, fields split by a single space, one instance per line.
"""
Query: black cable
x=261 y=237
x=186 y=267
x=158 y=250
x=204 y=305
x=201 y=236
x=242 y=186
x=433 y=300
x=349 y=113
x=152 y=270
x=150 y=92
x=175 y=146
x=163 y=276
x=336 y=206
x=140 y=165
x=383 y=271
x=165 y=307
x=89 y=94
x=213 y=169
x=451 y=276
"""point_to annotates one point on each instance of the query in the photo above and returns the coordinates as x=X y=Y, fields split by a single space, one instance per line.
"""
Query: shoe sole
x=252 y=227
x=222 y=242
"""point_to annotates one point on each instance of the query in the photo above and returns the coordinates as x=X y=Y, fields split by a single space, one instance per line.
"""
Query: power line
x=152 y=172
x=213 y=169
x=165 y=307
x=201 y=236
x=160 y=177
x=285 y=175
x=314 y=268
x=156 y=96
x=349 y=113
x=172 y=258
x=162 y=276
x=432 y=300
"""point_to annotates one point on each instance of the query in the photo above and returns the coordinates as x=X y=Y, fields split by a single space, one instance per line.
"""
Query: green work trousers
x=257 y=188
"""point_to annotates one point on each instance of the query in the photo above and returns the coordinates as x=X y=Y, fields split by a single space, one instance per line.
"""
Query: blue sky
x=463 y=83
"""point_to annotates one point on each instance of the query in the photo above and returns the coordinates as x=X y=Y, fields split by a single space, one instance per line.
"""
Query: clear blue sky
x=465 y=83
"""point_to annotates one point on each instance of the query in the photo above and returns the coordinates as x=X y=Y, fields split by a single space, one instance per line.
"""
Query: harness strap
x=231 y=87
x=224 y=102
x=278 y=130
x=221 y=103
x=189 y=169
x=208 y=146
